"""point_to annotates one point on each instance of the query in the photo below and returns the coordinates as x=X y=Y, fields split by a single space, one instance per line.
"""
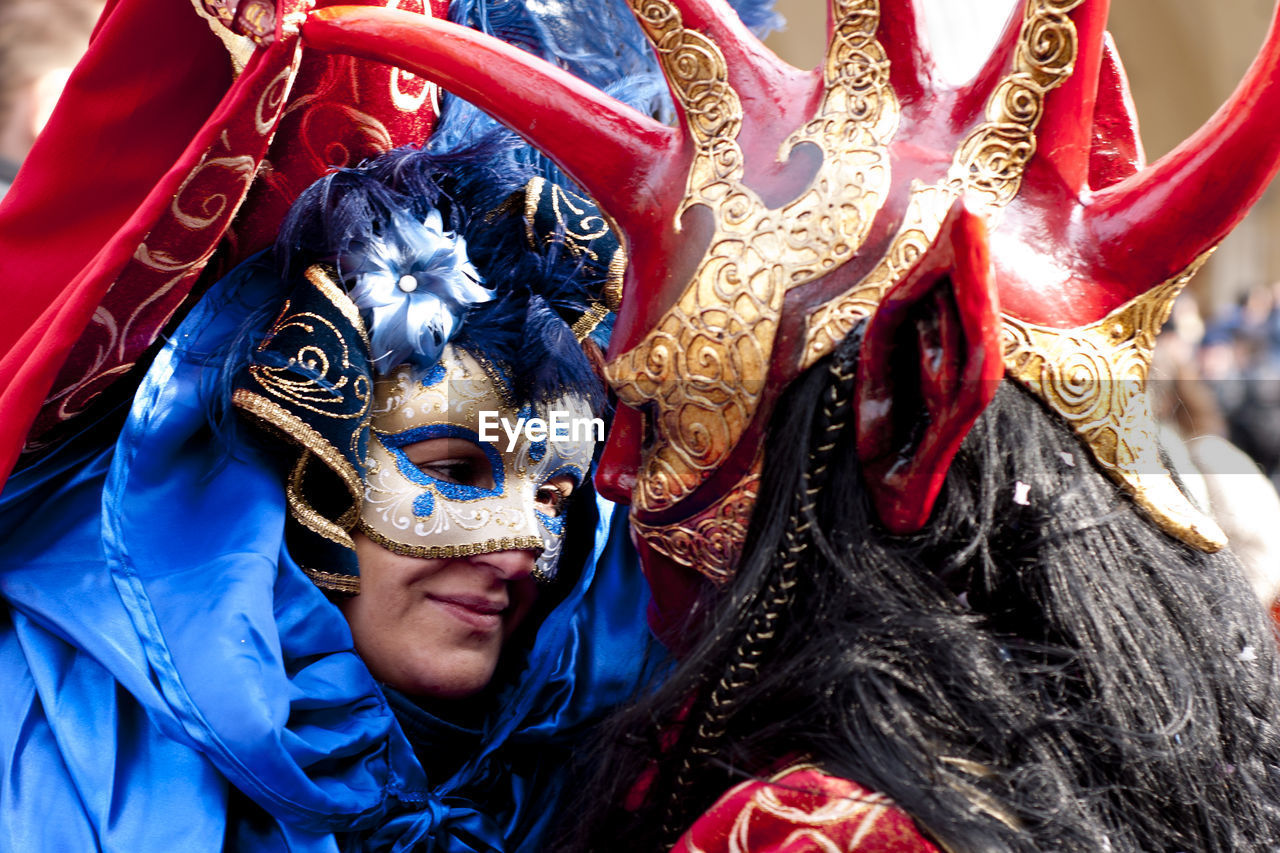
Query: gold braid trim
x=586 y=324
x=349 y=584
x=307 y=515
x=617 y=274
x=303 y=434
x=446 y=552
x=324 y=278
x=1095 y=377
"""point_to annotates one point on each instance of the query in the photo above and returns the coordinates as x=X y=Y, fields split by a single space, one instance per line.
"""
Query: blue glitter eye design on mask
x=424 y=504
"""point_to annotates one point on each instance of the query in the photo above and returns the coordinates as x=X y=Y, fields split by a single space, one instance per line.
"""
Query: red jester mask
x=1014 y=213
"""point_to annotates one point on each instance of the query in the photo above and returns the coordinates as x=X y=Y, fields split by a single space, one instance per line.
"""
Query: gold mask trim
x=586 y=324
x=708 y=541
x=699 y=373
x=1095 y=377
x=617 y=274
x=325 y=279
x=448 y=552
x=988 y=164
x=334 y=531
x=301 y=433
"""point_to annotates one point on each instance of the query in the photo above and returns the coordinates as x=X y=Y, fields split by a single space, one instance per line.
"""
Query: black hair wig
x=1048 y=674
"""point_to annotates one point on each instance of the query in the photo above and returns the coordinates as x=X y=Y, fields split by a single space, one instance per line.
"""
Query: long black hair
x=1039 y=669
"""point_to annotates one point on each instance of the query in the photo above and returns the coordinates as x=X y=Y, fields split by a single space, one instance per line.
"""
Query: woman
x=171 y=655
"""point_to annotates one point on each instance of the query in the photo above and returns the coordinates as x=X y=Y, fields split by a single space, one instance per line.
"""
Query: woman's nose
x=512 y=565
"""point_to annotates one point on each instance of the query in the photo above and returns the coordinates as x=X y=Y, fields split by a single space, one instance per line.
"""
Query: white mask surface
x=422 y=511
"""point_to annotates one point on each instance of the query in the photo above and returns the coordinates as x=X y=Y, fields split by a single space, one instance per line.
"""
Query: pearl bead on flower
x=408 y=283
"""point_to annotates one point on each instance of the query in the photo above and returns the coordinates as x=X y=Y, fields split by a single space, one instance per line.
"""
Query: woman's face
x=436 y=627
x=453 y=532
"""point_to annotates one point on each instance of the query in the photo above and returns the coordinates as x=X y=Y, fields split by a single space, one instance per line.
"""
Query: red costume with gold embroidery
x=799 y=810
x=164 y=133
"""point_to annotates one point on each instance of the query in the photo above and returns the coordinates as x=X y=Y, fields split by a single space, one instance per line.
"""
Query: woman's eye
x=464 y=472
x=452 y=460
x=552 y=496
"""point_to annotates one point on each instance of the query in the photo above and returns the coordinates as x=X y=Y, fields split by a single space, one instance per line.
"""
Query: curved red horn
x=1117 y=151
x=1153 y=225
x=972 y=95
x=553 y=109
x=1066 y=132
x=903 y=37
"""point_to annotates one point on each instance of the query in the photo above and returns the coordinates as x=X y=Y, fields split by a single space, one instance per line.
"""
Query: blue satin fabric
x=177 y=682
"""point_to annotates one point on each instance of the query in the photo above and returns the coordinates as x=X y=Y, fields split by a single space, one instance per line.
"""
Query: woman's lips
x=476 y=611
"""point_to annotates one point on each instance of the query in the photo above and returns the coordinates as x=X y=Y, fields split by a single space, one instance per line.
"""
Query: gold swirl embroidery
x=709 y=541
x=1095 y=377
x=699 y=373
x=577 y=219
x=989 y=163
x=309 y=392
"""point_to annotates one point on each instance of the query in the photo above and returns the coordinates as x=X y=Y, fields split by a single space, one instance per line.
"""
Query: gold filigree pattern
x=1095 y=377
x=988 y=164
x=699 y=373
x=708 y=541
x=318 y=388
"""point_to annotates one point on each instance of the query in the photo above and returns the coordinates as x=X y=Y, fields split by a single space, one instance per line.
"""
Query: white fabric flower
x=415 y=282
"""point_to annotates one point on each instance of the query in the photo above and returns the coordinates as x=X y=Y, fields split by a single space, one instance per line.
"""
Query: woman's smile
x=481 y=612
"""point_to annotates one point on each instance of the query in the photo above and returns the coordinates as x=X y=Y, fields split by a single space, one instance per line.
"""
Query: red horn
x=553 y=109
x=903 y=37
x=1153 y=225
x=972 y=96
x=1066 y=132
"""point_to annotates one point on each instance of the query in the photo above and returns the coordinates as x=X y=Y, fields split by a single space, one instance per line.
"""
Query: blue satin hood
x=181 y=683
